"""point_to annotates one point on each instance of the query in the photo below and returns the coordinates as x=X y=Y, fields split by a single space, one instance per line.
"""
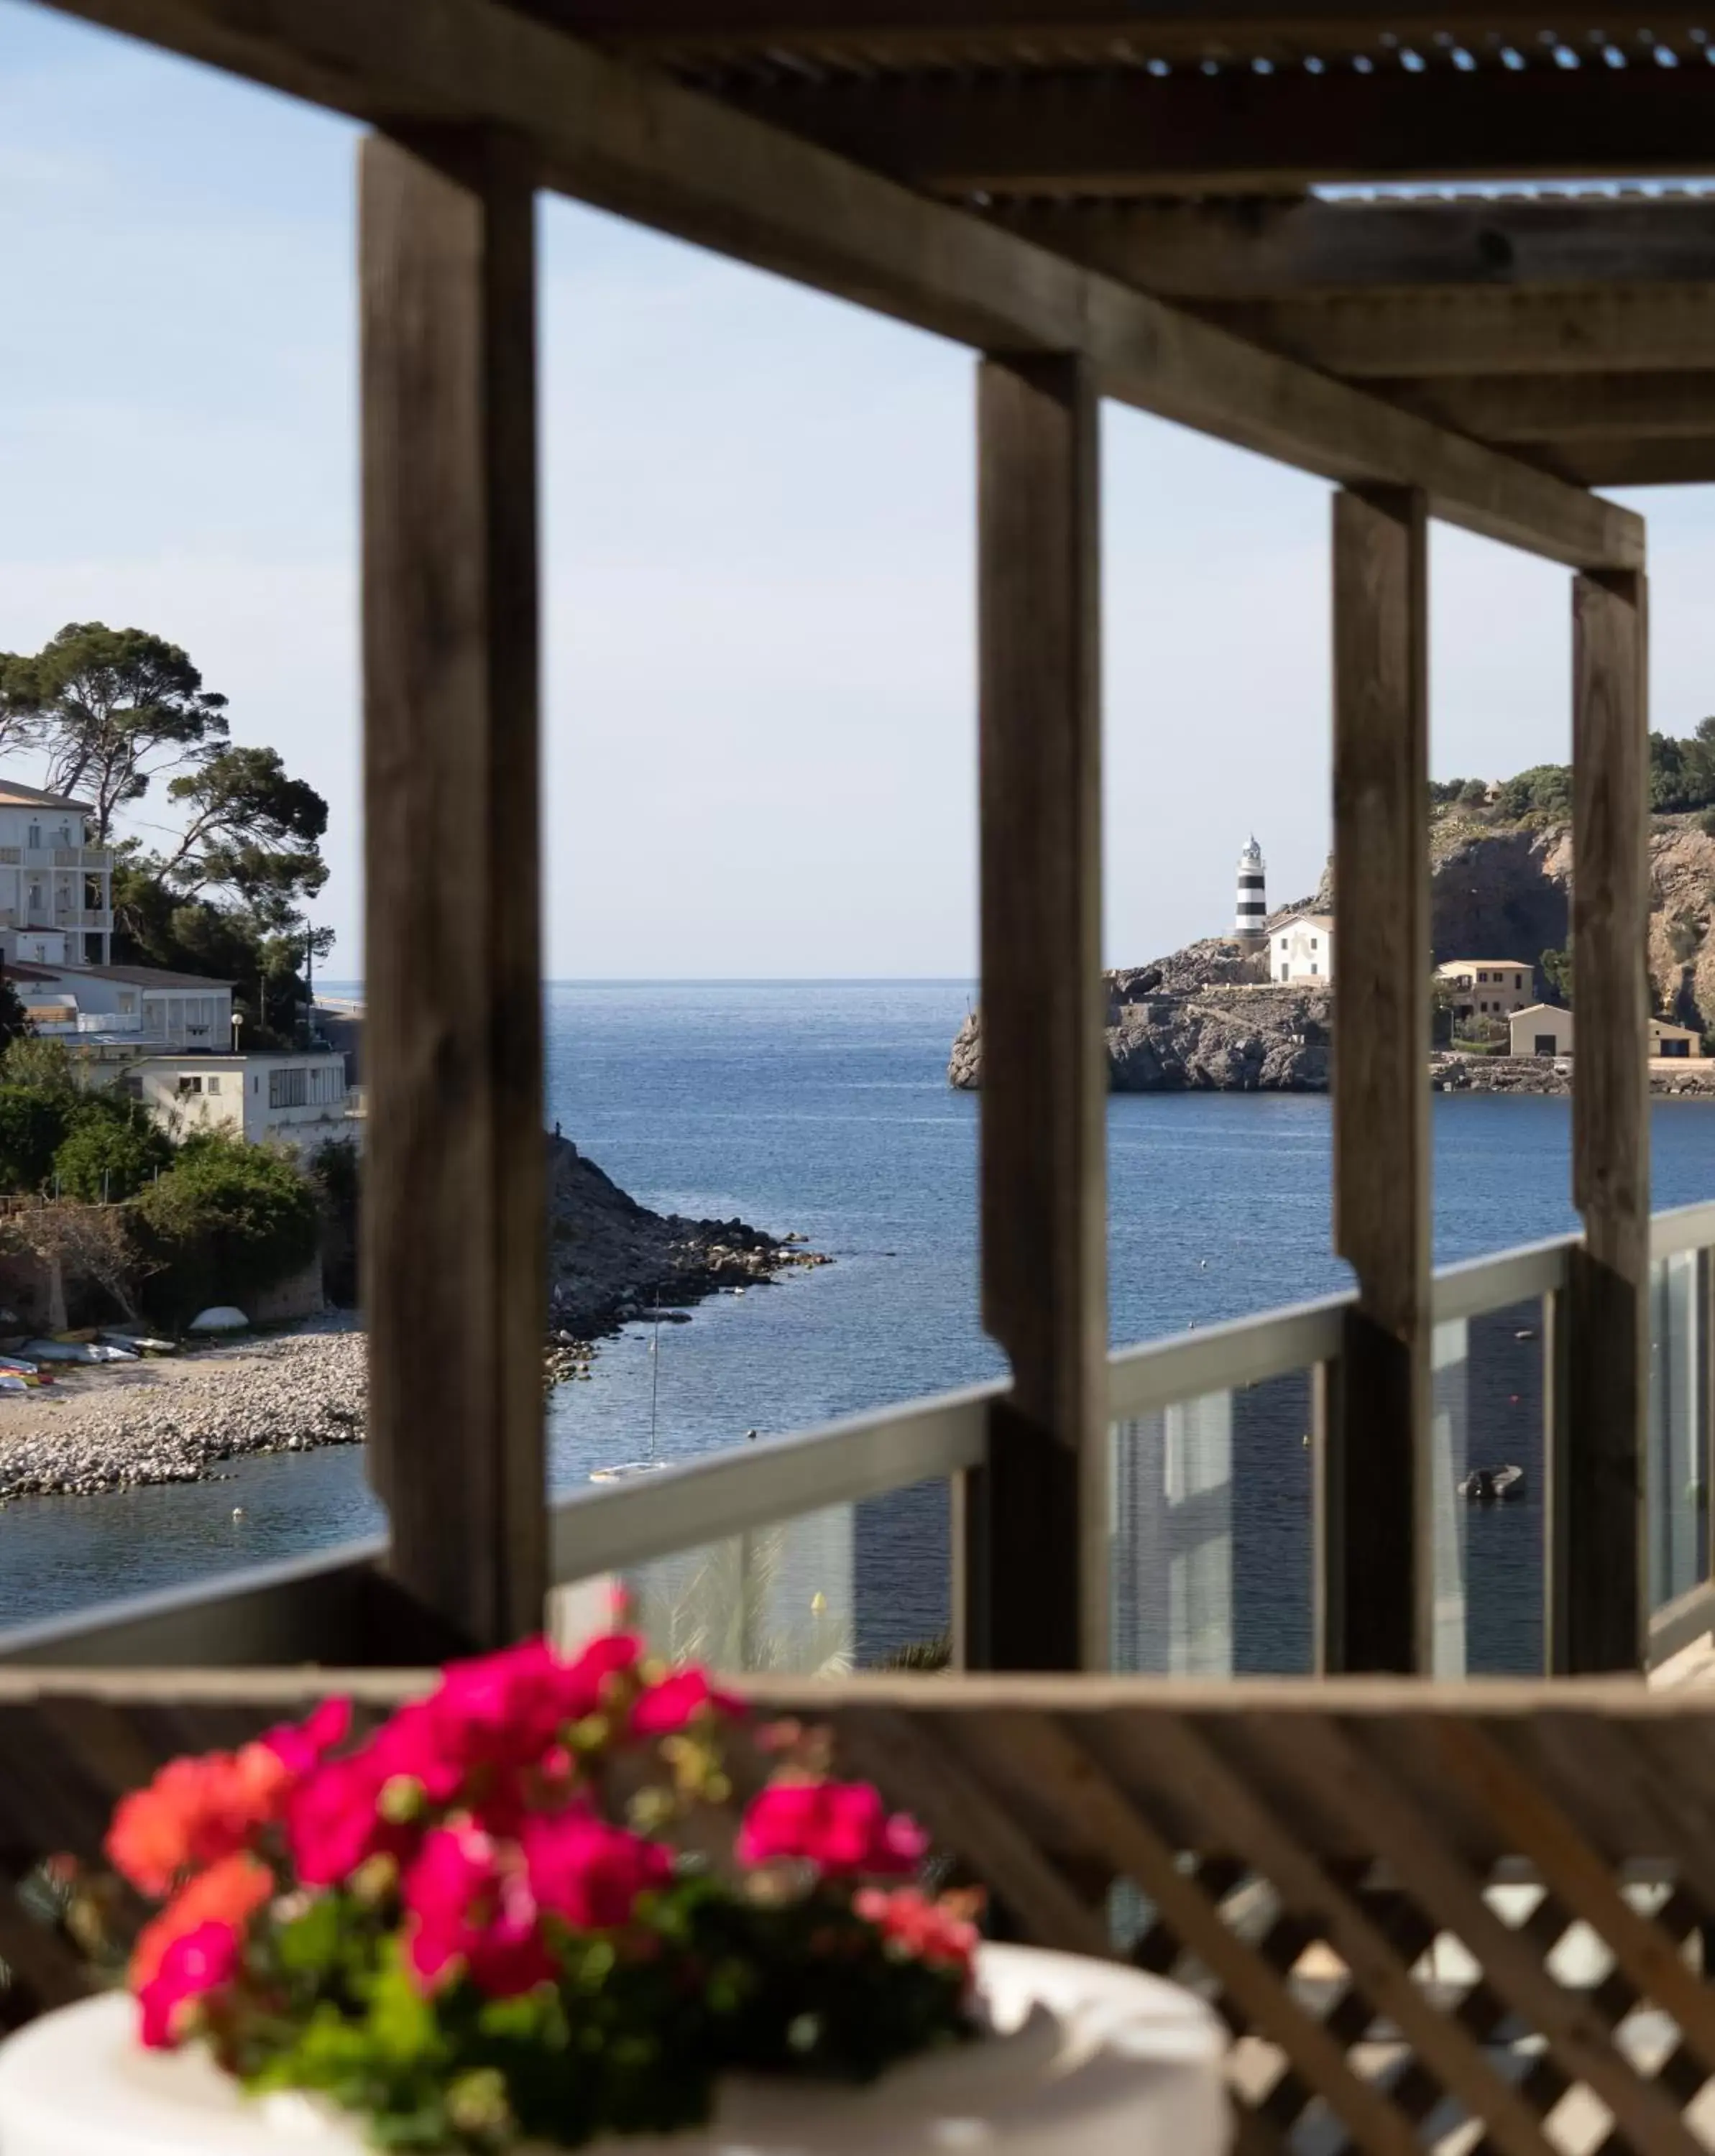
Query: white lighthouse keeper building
x=1252 y=909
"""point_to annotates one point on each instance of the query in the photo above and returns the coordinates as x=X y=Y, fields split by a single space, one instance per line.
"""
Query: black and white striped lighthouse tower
x=1253 y=903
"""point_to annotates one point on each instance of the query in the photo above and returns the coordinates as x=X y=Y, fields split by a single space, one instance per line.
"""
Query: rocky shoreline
x=1457 y=1073
x=1227 y=1039
x=179 y=1418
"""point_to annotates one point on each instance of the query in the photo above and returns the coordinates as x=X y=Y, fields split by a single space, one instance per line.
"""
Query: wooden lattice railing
x=1382 y=1885
x=1470 y=1918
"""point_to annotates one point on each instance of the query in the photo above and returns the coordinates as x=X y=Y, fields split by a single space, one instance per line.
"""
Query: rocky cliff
x=1206 y=1018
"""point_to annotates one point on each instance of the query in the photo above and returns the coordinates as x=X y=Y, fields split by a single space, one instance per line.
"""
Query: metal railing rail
x=704 y=1500
x=1479 y=1286
x=1685 y=1227
x=1163 y=1374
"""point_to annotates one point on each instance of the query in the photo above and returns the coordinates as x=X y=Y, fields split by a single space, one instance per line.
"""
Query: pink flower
x=667 y=1706
x=333 y=1820
x=507 y=1709
x=228 y=1893
x=588 y=1872
x=196 y=1962
x=932 y=1932
x=838 y=1826
x=301 y=1746
x=469 y=1906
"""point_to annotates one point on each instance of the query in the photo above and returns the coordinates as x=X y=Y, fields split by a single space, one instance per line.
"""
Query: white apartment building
x=56 y=891
x=1302 y=949
x=294 y=1098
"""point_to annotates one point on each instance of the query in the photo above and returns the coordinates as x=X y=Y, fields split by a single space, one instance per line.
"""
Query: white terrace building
x=1302 y=949
x=294 y=1099
x=56 y=891
x=146 y=1004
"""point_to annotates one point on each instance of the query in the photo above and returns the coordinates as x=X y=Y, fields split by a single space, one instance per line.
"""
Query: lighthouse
x=1252 y=909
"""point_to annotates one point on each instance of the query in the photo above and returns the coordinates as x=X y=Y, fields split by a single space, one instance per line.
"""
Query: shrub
x=45 y=1065
x=1544 y=790
x=226 y=1221
x=33 y=1128
x=107 y=1158
x=1706 y=822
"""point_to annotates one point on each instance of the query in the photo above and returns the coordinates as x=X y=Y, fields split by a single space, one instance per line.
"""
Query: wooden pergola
x=1101 y=198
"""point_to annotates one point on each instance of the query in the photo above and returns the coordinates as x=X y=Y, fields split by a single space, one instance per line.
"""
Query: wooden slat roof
x=1177 y=146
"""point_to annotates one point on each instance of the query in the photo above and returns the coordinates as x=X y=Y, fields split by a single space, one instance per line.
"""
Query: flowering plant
x=518 y=1910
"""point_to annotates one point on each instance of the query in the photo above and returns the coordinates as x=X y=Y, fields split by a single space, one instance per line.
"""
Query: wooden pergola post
x=454 y=1268
x=1602 y=1576
x=1373 y=1572
x=1032 y=1591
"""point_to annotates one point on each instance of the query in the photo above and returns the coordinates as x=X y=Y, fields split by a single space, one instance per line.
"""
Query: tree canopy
x=109 y=708
x=1681 y=778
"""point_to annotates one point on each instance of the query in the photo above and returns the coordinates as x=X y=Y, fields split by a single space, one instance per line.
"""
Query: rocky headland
x=1234 y=1037
x=178 y=1418
x=611 y=1260
x=1206 y=1018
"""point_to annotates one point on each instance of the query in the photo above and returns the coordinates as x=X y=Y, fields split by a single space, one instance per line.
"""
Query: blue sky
x=758 y=571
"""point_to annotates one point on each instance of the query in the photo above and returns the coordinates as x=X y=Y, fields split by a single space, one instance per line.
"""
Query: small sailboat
x=627 y=1469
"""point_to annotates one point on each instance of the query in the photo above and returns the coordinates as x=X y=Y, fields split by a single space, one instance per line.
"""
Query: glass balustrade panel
x=1676 y=1492
x=861 y=1586
x=1487 y=1488
x=1210 y=1533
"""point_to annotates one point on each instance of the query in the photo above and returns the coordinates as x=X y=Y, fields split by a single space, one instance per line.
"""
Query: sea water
x=823 y=1108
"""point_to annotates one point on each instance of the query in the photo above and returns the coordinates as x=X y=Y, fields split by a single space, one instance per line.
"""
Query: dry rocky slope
x=176 y=1419
x=1206 y=1019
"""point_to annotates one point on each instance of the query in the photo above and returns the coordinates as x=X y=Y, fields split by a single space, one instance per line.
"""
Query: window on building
x=1313 y=965
x=287 y=1089
x=214 y=1083
x=1312 y=942
x=1285 y=972
x=188 y=1084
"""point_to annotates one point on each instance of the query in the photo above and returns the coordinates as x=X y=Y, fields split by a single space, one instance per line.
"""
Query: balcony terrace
x=1103 y=198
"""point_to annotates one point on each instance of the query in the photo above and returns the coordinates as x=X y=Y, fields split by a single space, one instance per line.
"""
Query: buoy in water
x=237 y=1512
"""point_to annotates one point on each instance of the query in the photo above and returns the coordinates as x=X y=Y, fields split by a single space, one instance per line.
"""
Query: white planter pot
x=1088 y=2060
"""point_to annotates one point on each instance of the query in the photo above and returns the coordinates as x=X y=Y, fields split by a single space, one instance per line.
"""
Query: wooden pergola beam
x=640 y=146
x=1260 y=248
x=865 y=26
x=1568 y=409
x=1123 y=130
x=1634 y=463
x=1616 y=329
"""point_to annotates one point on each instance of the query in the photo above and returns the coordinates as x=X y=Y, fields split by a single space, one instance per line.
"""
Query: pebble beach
x=174 y=1419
